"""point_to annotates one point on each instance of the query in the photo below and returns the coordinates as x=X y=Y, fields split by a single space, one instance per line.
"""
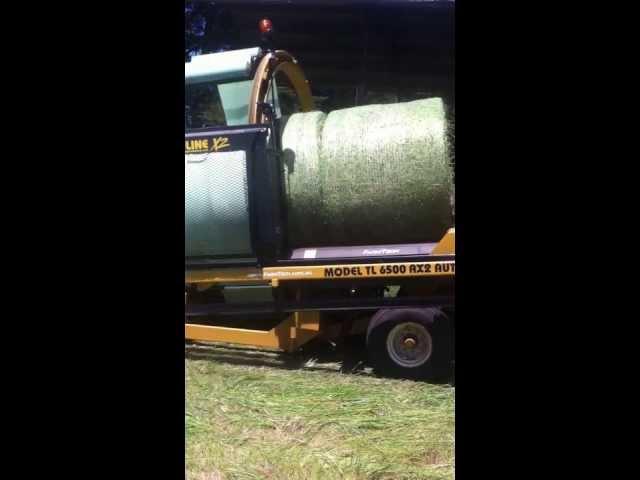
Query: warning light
x=266 y=26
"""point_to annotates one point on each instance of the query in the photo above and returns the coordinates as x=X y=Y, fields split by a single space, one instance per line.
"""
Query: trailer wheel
x=410 y=343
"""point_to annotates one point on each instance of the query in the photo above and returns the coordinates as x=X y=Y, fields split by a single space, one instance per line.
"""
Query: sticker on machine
x=413 y=269
x=310 y=253
x=205 y=145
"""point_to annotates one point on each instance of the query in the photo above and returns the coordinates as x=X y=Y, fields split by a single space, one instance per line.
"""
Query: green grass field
x=252 y=415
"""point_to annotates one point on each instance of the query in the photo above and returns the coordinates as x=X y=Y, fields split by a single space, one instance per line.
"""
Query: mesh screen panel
x=216 y=205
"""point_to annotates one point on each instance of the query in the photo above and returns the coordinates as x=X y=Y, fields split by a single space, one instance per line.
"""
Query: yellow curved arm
x=271 y=64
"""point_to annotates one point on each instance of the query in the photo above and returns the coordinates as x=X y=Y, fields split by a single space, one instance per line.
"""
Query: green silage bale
x=367 y=175
x=301 y=153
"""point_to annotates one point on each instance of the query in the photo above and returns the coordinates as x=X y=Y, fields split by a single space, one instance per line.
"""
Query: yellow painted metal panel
x=225 y=275
x=289 y=335
x=447 y=245
x=372 y=270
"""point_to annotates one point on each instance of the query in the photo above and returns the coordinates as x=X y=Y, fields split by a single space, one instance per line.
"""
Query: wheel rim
x=409 y=344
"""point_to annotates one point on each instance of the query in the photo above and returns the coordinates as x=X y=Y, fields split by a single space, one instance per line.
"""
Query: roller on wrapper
x=368 y=175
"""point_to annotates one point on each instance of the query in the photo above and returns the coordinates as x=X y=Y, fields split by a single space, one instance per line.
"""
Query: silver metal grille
x=216 y=205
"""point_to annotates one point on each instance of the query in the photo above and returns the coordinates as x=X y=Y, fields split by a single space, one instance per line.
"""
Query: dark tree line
x=205 y=28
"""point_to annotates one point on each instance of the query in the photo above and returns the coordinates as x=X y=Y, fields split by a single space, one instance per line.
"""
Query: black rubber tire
x=437 y=367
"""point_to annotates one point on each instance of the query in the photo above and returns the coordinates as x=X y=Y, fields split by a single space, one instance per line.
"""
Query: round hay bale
x=372 y=174
x=301 y=152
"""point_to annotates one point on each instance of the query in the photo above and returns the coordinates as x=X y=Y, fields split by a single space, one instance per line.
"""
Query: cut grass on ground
x=266 y=422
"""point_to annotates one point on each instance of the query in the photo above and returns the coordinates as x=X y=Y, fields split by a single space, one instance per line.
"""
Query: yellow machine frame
x=301 y=327
x=288 y=335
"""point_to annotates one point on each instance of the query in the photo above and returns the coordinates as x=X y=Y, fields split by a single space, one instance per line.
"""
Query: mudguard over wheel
x=410 y=343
